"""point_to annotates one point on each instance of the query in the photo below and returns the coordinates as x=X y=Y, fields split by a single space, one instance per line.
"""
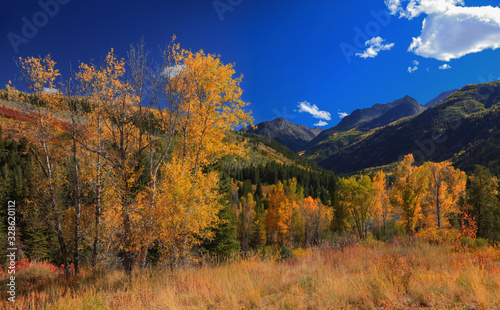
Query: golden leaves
x=38 y=73
x=179 y=205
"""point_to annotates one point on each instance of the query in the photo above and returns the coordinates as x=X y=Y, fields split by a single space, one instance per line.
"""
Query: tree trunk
x=59 y=233
x=128 y=260
x=98 y=210
x=77 y=206
x=438 y=213
x=57 y=219
x=97 y=214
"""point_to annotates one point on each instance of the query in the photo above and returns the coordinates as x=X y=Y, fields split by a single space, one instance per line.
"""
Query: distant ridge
x=293 y=136
x=380 y=114
x=440 y=98
x=361 y=120
x=463 y=128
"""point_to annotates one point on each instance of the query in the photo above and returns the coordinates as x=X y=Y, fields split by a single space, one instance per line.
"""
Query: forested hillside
x=463 y=128
x=287 y=133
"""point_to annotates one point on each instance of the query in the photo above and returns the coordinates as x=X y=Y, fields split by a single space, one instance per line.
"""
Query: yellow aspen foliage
x=143 y=164
x=358 y=199
x=446 y=186
x=317 y=218
x=102 y=88
x=114 y=137
x=407 y=193
x=204 y=101
x=186 y=209
x=292 y=192
x=297 y=224
x=211 y=104
x=278 y=214
x=382 y=208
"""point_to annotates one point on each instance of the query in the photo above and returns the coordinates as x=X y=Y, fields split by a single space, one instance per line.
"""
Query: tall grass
x=371 y=276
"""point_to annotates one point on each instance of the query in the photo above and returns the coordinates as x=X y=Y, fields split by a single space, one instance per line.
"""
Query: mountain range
x=359 y=121
x=379 y=115
x=440 y=98
x=460 y=128
x=458 y=125
x=293 y=136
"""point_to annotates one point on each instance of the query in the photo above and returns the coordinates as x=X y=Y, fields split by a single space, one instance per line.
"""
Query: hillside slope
x=440 y=98
x=287 y=133
x=261 y=150
x=355 y=125
x=380 y=114
x=463 y=127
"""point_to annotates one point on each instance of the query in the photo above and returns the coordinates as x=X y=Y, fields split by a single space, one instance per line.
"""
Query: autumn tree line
x=120 y=154
x=430 y=200
x=125 y=164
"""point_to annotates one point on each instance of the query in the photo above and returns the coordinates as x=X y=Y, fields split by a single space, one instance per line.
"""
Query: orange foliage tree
x=278 y=215
x=358 y=199
x=194 y=100
x=203 y=102
x=445 y=187
x=382 y=207
x=317 y=219
x=407 y=193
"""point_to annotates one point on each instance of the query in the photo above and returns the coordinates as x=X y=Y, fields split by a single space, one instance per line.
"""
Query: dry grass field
x=371 y=276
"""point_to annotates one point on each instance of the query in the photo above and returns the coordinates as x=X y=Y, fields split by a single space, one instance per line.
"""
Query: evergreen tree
x=245 y=189
x=258 y=233
x=258 y=191
x=225 y=240
x=340 y=214
x=482 y=196
x=37 y=244
x=3 y=240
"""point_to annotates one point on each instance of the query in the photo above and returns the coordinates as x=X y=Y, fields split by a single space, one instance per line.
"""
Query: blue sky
x=331 y=56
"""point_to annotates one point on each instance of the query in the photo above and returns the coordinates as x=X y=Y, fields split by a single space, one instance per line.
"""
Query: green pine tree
x=3 y=241
x=258 y=233
x=36 y=241
x=225 y=241
x=485 y=203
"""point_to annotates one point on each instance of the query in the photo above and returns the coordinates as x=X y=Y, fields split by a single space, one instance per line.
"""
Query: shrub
x=34 y=275
x=286 y=253
x=342 y=242
x=473 y=243
x=467 y=242
x=439 y=236
x=393 y=229
x=371 y=242
x=301 y=252
x=481 y=242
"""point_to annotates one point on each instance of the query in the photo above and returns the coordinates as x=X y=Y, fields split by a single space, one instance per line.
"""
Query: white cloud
x=314 y=111
x=444 y=67
x=415 y=8
x=172 y=71
x=343 y=114
x=414 y=68
x=450 y=29
x=394 y=6
x=50 y=90
x=374 y=46
x=320 y=124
